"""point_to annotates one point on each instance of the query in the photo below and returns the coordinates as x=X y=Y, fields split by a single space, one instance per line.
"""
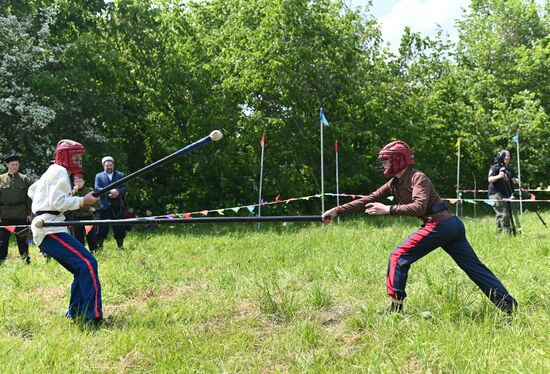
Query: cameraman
x=501 y=178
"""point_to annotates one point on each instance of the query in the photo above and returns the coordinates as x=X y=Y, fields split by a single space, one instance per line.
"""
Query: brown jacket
x=413 y=193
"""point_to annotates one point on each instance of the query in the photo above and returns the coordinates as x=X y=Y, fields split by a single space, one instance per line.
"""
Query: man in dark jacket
x=415 y=195
x=501 y=180
x=15 y=206
x=111 y=205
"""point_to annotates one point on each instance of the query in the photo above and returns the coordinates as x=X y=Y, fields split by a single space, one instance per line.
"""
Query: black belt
x=439 y=207
x=54 y=212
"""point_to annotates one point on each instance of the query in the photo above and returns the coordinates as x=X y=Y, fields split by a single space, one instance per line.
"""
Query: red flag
x=336 y=146
x=262 y=142
x=186 y=215
x=10 y=229
x=88 y=229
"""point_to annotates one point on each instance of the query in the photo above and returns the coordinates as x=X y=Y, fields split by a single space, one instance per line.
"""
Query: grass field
x=297 y=298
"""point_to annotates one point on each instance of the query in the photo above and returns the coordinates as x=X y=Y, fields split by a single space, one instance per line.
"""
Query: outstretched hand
x=329 y=215
x=377 y=209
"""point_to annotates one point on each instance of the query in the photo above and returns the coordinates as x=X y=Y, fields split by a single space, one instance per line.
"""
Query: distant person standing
x=502 y=179
x=111 y=206
x=15 y=206
x=129 y=213
x=85 y=212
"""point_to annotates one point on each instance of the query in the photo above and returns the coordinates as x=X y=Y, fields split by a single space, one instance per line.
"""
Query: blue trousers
x=85 y=290
x=451 y=236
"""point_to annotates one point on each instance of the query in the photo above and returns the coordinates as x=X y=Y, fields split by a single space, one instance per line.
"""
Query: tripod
x=510 y=193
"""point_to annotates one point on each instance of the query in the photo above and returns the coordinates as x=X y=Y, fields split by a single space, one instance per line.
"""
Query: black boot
x=394 y=308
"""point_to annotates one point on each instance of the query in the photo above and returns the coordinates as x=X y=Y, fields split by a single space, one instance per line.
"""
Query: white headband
x=107 y=158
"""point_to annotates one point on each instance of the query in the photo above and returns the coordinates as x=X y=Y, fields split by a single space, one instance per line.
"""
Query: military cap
x=12 y=158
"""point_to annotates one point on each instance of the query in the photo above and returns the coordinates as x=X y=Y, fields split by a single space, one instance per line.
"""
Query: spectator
x=129 y=213
x=111 y=206
x=84 y=213
x=51 y=197
x=152 y=226
x=501 y=178
x=15 y=207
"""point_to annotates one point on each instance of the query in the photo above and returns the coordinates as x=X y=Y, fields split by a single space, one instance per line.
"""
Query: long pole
x=475 y=198
x=458 y=179
x=337 y=181
x=192 y=220
x=519 y=177
x=262 y=142
x=214 y=136
x=322 y=167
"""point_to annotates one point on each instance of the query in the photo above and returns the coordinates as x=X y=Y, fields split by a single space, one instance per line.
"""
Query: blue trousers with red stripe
x=85 y=290
x=451 y=236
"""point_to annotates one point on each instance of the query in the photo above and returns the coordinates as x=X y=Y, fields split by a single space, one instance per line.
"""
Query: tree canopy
x=141 y=79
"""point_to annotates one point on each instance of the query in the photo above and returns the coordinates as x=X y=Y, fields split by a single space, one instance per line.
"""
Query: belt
x=54 y=212
x=439 y=207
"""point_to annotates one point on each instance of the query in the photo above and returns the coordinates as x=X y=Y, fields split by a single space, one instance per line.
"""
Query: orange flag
x=88 y=229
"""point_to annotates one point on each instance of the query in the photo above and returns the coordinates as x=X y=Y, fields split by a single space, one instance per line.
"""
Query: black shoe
x=394 y=308
x=95 y=323
x=26 y=259
x=507 y=306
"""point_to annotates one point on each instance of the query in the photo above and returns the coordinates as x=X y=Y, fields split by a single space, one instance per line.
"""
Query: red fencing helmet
x=64 y=155
x=398 y=155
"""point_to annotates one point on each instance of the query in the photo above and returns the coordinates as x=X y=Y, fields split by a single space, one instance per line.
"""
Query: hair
x=501 y=155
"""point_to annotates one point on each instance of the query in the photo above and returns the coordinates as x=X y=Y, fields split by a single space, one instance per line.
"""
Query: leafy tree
x=25 y=50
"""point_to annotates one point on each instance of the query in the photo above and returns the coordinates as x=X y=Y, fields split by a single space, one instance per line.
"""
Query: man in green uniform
x=15 y=206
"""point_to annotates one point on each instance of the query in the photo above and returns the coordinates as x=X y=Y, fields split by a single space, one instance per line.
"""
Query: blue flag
x=516 y=139
x=323 y=118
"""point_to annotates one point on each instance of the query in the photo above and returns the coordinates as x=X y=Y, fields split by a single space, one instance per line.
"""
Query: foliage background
x=140 y=79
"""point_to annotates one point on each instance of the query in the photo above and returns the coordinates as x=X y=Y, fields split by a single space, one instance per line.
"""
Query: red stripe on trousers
x=404 y=248
x=66 y=245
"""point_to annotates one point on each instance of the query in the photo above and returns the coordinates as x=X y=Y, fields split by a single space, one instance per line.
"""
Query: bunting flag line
x=252 y=207
x=538 y=189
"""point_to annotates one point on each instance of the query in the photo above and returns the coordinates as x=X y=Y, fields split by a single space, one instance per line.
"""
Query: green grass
x=297 y=298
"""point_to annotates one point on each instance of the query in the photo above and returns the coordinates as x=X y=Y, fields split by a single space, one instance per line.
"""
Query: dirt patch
x=139 y=302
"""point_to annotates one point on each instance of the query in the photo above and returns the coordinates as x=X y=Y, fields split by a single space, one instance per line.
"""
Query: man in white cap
x=111 y=206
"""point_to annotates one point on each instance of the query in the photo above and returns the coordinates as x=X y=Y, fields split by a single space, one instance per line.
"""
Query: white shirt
x=52 y=192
